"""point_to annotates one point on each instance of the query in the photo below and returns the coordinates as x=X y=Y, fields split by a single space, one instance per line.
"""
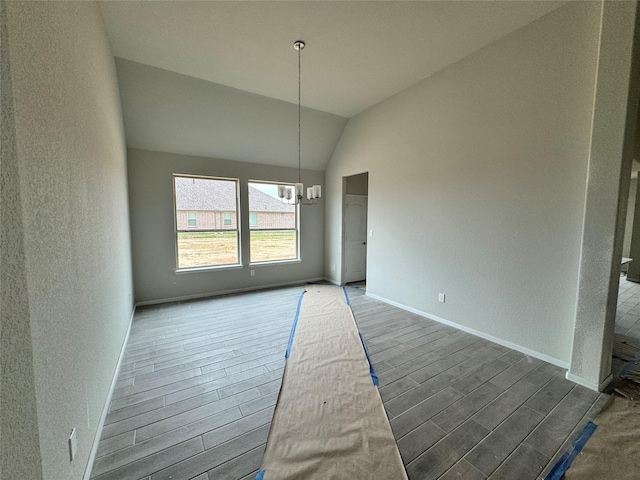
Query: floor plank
x=200 y=379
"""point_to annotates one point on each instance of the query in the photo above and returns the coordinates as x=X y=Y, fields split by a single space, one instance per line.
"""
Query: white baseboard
x=587 y=384
x=183 y=298
x=477 y=333
x=105 y=409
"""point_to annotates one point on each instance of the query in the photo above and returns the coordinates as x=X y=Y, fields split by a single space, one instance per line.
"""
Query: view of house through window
x=206 y=221
x=273 y=226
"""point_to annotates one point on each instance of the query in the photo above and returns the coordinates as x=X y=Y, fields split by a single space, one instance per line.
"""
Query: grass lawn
x=199 y=249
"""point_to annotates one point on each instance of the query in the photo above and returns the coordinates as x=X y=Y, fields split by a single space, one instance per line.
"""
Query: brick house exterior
x=205 y=204
x=205 y=220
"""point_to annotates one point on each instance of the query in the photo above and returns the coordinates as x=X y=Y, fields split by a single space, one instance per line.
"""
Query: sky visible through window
x=268 y=188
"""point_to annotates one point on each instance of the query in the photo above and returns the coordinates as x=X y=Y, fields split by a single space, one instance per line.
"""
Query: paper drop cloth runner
x=329 y=422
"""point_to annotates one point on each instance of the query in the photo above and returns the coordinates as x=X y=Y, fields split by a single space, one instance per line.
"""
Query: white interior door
x=355 y=238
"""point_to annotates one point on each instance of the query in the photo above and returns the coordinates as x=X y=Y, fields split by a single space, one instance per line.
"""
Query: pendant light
x=293 y=195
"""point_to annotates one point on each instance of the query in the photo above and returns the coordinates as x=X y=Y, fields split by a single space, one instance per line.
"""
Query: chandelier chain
x=293 y=194
x=299 y=149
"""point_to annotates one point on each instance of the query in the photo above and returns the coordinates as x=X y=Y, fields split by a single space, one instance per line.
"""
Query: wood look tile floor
x=199 y=381
x=628 y=312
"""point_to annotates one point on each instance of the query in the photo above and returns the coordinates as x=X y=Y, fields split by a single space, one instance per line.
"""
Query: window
x=207 y=232
x=273 y=225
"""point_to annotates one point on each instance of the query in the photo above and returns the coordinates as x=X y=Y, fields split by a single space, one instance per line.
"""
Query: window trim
x=177 y=231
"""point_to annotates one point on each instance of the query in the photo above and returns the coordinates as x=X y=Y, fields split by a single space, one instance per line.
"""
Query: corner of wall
x=613 y=129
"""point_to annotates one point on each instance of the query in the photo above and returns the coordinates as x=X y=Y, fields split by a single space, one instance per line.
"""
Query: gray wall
x=477 y=182
x=168 y=112
x=631 y=207
x=153 y=231
x=72 y=292
x=19 y=442
x=615 y=110
x=357 y=184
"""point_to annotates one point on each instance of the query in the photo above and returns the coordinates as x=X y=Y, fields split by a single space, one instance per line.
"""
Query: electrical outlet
x=73 y=444
x=333 y=268
x=441 y=297
x=253 y=273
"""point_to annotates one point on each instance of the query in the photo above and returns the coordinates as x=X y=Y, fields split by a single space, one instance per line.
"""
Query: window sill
x=271 y=263
x=181 y=271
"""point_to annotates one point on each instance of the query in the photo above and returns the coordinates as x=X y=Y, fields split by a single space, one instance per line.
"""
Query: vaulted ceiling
x=358 y=53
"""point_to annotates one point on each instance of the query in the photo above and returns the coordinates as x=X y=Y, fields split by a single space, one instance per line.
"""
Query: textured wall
x=476 y=184
x=71 y=163
x=611 y=143
x=153 y=230
x=19 y=443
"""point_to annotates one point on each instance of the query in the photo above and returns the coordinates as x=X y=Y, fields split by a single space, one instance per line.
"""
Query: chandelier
x=289 y=194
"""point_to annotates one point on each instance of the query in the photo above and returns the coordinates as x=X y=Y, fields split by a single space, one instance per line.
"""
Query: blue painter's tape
x=293 y=327
x=374 y=377
x=565 y=461
x=259 y=475
x=346 y=295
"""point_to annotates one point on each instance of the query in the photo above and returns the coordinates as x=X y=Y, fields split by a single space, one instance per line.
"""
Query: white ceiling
x=358 y=53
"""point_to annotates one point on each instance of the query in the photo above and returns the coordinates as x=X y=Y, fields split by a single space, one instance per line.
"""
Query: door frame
x=343 y=241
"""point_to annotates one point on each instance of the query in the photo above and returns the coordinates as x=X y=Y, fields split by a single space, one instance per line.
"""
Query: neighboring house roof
x=204 y=194
x=261 y=202
x=219 y=195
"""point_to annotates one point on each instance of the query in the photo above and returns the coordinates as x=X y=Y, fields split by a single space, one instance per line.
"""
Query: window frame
x=297 y=230
x=225 y=228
